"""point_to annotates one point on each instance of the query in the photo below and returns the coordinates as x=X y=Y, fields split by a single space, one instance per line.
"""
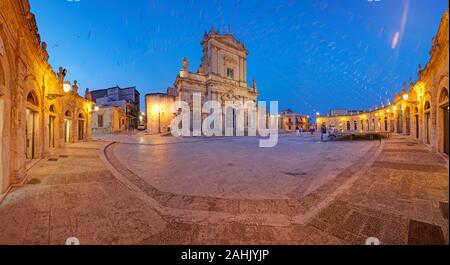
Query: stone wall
x=159 y=113
x=114 y=120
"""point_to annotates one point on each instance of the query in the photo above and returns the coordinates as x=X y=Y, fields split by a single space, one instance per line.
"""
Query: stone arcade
x=39 y=111
x=420 y=111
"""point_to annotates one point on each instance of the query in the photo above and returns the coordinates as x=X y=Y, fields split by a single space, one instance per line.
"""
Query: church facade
x=39 y=110
x=222 y=77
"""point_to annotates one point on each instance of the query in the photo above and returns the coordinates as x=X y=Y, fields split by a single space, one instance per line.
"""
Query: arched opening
x=362 y=125
x=400 y=122
x=348 y=125
x=31 y=127
x=416 y=122
x=427 y=112
x=51 y=126
x=385 y=124
x=355 y=125
x=444 y=123
x=2 y=108
x=408 y=121
x=67 y=127
x=374 y=126
x=81 y=123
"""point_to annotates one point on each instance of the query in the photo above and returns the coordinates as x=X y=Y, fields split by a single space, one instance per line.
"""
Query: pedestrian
x=297 y=131
x=323 y=130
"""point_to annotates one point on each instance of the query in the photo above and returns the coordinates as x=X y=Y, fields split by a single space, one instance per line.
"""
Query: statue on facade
x=420 y=68
x=61 y=74
x=75 y=87
x=185 y=64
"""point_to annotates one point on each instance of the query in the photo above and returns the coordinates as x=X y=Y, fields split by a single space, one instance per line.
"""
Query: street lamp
x=158 y=109
x=67 y=87
x=405 y=97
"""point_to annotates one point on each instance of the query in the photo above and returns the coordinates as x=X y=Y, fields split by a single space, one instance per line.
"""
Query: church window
x=100 y=121
x=230 y=73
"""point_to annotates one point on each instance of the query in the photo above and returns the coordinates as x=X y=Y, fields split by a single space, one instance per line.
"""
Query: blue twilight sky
x=310 y=55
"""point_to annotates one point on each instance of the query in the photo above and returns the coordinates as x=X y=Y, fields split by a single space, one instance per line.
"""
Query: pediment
x=229 y=40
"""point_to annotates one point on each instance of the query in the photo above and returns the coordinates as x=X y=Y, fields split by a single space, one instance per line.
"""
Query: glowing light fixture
x=96 y=108
x=67 y=87
x=157 y=109
x=405 y=96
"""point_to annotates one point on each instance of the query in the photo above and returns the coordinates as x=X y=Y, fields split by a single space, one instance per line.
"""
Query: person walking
x=323 y=130
x=297 y=131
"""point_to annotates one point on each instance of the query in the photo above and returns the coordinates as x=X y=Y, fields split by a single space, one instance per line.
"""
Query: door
x=428 y=127
x=416 y=122
x=30 y=131
x=67 y=129
x=1 y=144
x=400 y=122
x=408 y=122
x=80 y=129
x=51 y=132
x=445 y=116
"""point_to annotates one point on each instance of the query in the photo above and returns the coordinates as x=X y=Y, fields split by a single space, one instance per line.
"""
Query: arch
x=443 y=96
x=408 y=120
x=442 y=118
x=81 y=126
x=32 y=98
x=427 y=121
x=2 y=76
x=416 y=122
x=52 y=126
x=68 y=126
x=32 y=136
x=2 y=107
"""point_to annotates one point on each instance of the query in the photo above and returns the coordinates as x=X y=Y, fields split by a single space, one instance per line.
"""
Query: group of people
x=323 y=130
x=299 y=130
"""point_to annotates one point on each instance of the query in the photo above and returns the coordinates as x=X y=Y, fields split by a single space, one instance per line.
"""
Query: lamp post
x=157 y=109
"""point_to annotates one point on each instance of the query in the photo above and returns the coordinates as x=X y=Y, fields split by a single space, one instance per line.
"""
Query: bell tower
x=223 y=56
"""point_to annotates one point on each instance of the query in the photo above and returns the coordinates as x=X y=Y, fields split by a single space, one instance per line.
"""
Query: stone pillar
x=245 y=70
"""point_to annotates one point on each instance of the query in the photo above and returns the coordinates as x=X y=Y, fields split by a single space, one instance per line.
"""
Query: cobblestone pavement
x=396 y=191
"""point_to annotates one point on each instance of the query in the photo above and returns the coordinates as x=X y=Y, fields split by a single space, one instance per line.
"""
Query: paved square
x=141 y=189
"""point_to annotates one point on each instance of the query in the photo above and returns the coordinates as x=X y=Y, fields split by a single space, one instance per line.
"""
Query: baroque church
x=222 y=76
